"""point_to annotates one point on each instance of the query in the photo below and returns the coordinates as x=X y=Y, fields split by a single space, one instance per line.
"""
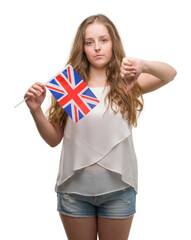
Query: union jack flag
x=72 y=93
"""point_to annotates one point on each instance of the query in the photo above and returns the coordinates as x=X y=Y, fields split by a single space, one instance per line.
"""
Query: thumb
x=131 y=84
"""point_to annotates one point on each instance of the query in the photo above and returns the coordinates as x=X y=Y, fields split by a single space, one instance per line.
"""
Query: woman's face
x=98 y=45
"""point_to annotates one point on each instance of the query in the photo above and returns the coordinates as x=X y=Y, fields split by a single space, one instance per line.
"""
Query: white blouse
x=98 y=155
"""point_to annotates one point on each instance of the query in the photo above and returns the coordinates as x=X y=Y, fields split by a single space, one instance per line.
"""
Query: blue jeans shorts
x=119 y=204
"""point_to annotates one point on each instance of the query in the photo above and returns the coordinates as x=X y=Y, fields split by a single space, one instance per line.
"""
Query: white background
x=36 y=38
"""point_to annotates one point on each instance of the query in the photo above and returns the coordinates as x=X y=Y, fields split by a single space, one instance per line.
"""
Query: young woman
x=97 y=178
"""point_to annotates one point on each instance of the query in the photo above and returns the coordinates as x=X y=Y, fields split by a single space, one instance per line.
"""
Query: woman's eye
x=104 y=40
x=88 y=43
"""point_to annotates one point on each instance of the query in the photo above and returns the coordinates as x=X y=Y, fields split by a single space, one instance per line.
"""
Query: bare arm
x=155 y=75
x=51 y=133
x=150 y=75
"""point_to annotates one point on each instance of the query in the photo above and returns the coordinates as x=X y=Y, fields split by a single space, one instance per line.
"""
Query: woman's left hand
x=131 y=68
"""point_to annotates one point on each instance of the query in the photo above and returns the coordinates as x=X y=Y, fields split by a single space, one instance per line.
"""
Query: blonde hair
x=127 y=101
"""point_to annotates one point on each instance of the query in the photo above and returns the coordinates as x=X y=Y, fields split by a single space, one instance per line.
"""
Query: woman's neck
x=97 y=76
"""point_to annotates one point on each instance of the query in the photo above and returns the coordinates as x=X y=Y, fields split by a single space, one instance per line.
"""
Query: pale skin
x=151 y=75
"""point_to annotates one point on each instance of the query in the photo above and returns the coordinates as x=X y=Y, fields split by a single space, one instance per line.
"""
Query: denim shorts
x=119 y=204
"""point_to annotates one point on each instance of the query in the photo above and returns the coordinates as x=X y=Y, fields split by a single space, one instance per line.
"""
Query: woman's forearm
x=160 y=70
x=51 y=134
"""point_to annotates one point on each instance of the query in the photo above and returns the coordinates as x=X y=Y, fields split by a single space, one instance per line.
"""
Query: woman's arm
x=51 y=133
x=150 y=75
x=155 y=75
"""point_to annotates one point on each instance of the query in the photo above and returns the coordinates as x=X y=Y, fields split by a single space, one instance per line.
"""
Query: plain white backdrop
x=36 y=38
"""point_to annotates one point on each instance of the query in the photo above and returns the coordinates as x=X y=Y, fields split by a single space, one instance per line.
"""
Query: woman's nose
x=97 y=46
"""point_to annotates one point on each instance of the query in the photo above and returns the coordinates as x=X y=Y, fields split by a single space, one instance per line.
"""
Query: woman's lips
x=98 y=56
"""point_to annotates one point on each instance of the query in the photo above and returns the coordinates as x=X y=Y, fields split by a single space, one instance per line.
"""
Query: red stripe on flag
x=56 y=89
x=69 y=75
x=89 y=98
x=75 y=112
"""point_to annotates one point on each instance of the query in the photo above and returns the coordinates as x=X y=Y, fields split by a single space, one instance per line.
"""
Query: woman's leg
x=80 y=228
x=114 y=229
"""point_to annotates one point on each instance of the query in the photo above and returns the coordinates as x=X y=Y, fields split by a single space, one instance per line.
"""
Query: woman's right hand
x=36 y=94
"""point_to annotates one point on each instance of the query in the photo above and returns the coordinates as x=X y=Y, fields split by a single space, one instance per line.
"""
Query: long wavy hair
x=128 y=102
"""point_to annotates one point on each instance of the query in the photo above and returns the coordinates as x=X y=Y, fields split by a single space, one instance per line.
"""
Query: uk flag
x=72 y=93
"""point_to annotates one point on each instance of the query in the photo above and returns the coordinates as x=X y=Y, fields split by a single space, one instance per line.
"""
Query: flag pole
x=22 y=101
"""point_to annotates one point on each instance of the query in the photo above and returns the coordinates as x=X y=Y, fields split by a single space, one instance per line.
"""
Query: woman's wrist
x=145 y=66
x=36 y=112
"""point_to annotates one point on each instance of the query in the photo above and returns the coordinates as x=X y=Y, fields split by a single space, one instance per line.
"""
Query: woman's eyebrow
x=99 y=37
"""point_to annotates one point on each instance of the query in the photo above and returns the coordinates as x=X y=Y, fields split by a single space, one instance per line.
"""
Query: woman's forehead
x=95 y=30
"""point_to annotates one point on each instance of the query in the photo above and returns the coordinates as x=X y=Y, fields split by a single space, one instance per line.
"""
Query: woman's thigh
x=78 y=228
x=112 y=229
